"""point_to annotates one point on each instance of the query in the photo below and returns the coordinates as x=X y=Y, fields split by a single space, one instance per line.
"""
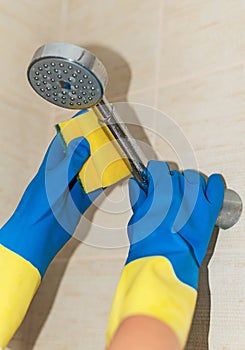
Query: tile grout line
x=201 y=74
x=157 y=65
x=182 y=80
x=63 y=20
x=158 y=55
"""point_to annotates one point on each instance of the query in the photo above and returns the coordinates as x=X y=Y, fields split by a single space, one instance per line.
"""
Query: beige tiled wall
x=185 y=58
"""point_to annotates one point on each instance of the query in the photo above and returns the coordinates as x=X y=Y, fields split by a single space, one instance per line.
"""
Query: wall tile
x=199 y=37
x=228 y=289
x=210 y=112
x=25 y=118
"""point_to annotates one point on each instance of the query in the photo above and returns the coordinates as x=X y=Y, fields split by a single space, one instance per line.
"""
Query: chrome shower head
x=67 y=76
x=72 y=77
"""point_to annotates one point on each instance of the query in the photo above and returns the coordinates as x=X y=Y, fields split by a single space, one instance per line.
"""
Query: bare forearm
x=145 y=333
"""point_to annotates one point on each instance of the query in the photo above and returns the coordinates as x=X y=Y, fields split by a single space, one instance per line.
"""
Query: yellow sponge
x=105 y=166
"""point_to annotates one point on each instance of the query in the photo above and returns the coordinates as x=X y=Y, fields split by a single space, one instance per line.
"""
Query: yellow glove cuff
x=19 y=281
x=149 y=286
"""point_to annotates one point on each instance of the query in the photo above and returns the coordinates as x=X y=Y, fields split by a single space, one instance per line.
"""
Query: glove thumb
x=215 y=191
x=136 y=195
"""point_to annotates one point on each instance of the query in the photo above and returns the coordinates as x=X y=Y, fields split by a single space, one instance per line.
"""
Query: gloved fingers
x=195 y=178
x=215 y=190
x=81 y=199
x=160 y=191
x=187 y=196
x=174 y=172
x=192 y=189
x=137 y=195
x=78 y=152
x=193 y=186
x=157 y=172
x=201 y=210
x=57 y=150
x=82 y=111
x=55 y=153
x=177 y=210
x=57 y=180
x=159 y=197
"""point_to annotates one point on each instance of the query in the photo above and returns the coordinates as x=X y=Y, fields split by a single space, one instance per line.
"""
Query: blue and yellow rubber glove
x=169 y=234
x=43 y=222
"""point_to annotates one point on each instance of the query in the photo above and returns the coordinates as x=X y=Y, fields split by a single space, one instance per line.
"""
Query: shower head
x=67 y=76
x=72 y=77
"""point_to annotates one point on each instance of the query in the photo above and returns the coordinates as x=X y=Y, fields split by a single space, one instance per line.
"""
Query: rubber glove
x=43 y=222
x=169 y=233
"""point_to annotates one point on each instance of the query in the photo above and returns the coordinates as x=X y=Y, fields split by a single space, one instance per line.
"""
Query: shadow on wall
x=118 y=70
x=119 y=74
x=198 y=337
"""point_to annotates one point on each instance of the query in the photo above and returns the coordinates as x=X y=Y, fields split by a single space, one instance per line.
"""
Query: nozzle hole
x=65 y=84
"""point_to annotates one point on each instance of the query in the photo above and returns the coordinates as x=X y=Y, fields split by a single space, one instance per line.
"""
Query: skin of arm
x=144 y=333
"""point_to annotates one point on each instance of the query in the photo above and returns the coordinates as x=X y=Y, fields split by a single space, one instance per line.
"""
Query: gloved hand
x=169 y=233
x=43 y=222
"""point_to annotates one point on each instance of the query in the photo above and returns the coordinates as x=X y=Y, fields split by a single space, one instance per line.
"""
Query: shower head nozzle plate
x=67 y=76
